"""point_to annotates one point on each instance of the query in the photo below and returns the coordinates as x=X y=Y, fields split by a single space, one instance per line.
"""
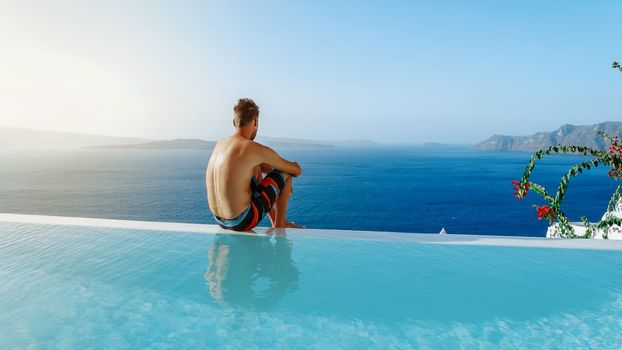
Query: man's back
x=228 y=176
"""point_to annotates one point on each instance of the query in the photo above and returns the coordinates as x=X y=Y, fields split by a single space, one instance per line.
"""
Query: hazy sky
x=387 y=71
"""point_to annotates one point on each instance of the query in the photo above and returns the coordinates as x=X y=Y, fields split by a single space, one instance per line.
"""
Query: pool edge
x=426 y=238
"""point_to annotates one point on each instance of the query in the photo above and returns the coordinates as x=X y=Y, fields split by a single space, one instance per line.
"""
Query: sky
x=388 y=71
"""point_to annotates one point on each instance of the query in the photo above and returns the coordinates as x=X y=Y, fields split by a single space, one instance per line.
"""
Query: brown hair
x=244 y=112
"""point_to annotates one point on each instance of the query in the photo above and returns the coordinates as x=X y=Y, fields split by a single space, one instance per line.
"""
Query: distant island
x=17 y=137
x=167 y=144
x=585 y=135
x=292 y=143
x=199 y=144
x=434 y=144
x=275 y=142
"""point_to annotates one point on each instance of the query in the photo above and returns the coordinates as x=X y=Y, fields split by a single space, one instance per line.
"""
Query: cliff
x=584 y=135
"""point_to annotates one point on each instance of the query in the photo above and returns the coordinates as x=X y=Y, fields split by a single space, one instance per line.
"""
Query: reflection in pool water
x=102 y=287
x=251 y=271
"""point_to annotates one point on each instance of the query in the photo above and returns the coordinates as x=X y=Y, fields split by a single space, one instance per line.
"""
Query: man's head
x=245 y=115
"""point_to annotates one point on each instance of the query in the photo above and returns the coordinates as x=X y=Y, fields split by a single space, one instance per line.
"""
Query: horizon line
x=207 y=140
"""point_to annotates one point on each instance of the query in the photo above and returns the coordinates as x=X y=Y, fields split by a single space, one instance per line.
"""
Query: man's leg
x=280 y=219
x=272 y=213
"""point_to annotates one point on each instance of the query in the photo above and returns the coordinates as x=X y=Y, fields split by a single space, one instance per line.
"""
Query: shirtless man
x=238 y=195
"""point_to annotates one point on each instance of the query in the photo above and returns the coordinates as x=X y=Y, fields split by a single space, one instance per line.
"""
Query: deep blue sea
x=381 y=188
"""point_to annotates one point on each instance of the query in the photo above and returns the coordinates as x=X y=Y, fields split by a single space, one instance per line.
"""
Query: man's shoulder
x=256 y=150
x=253 y=145
x=221 y=142
x=244 y=145
x=229 y=142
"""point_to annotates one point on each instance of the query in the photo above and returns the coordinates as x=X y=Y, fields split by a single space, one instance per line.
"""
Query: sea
x=377 y=188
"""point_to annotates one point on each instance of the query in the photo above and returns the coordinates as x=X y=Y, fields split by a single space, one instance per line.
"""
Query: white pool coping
x=427 y=238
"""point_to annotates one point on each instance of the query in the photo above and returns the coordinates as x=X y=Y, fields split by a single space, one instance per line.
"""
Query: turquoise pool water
x=95 y=287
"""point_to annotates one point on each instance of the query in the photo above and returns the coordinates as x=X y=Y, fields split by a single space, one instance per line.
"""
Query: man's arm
x=270 y=157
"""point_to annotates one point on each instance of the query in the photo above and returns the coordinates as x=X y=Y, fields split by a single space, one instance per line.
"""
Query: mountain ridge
x=584 y=135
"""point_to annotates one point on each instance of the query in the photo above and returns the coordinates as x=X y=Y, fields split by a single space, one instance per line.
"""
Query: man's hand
x=298 y=166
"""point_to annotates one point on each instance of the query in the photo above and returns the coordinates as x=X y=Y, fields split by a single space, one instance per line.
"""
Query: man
x=239 y=197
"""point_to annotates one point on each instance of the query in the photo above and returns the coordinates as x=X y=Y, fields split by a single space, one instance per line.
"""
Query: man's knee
x=284 y=176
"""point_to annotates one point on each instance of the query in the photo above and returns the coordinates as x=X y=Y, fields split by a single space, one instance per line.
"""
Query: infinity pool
x=75 y=283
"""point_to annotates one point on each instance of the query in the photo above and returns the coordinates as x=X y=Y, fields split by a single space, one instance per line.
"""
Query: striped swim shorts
x=264 y=195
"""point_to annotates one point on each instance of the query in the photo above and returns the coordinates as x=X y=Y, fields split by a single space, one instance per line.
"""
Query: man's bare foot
x=291 y=224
